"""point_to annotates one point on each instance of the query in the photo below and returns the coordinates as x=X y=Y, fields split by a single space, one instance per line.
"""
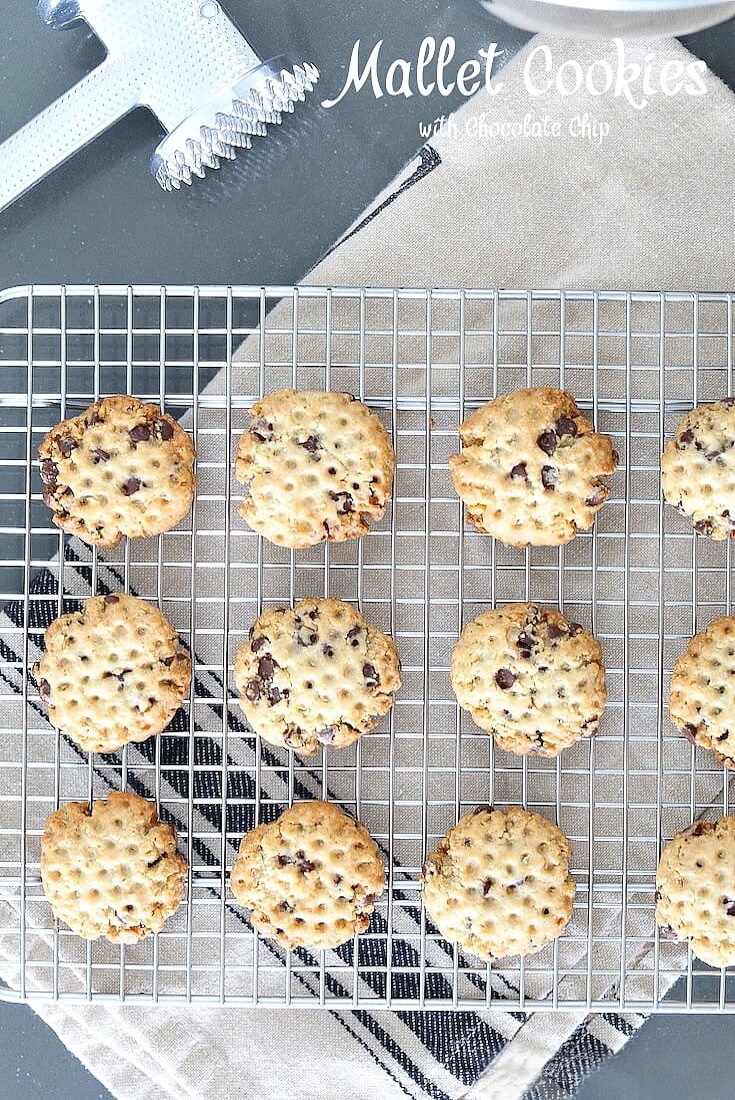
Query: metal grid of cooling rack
x=421 y=360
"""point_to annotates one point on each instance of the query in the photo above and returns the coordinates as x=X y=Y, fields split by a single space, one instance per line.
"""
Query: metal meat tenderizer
x=186 y=62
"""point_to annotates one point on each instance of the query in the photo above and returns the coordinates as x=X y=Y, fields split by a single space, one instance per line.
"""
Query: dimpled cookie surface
x=119 y=468
x=316 y=674
x=698 y=469
x=113 y=871
x=498 y=883
x=531 y=468
x=316 y=466
x=112 y=673
x=695 y=890
x=310 y=878
x=702 y=699
x=530 y=678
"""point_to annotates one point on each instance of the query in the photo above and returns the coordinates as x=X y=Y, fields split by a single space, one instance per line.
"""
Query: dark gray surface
x=268 y=218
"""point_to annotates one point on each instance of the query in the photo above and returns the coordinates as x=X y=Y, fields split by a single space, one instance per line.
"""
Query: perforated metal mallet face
x=185 y=61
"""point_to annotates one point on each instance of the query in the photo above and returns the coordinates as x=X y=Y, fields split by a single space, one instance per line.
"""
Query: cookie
x=695 y=890
x=316 y=466
x=530 y=678
x=498 y=884
x=698 y=469
x=119 y=468
x=316 y=674
x=702 y=696
x=113 y=672
x=531 y=468
x=113 y=871
x=310 y=878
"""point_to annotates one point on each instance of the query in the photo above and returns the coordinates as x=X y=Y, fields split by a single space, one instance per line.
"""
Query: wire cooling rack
x=421 y=360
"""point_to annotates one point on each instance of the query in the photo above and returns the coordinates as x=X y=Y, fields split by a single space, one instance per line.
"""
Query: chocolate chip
x=93 y=417
x=44 y=689
x=728 y=401
x=555 y=632
x=575 y=629
x=284 y=860
x=311 y=444
x=285 y=907
x=258 y=643
x=548 y=442
x=690 y=732
x=565 y=426
x=666 y=932
x=66 y=446
x=504 y=678
x=49 y=472
x=598 y=497
x=252 y=691
x=526 y=642
x=730 y=907
x=327 y=736
x=163 y=430
x=712 y=455
x=274 y=695
x=327 y=651
x=304 y=865
x=306 y=637
x=685 y=438
x=265 y=667
x=112 y=598
x=484 y=808
x=140 y=433
x=345 y=503
x=130 y=486
x=371 y=676
x=725 y=734
x=548 y=477
x=703 y=526
x=100 y=456
x=262 y=430
x=487 y=886
x=520 y=472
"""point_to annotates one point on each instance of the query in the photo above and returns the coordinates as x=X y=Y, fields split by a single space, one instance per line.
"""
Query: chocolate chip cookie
x=530 y=678
x=695 y=890
x=531 y=468
x=311 y=878
x=113 y=870
x=119 y=468
x=498 y=884
x=113 y=672
x=316 y=466
x=702 y=700
x=316 y=674
x=698 y=469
